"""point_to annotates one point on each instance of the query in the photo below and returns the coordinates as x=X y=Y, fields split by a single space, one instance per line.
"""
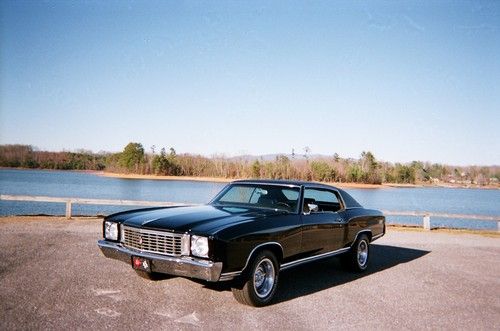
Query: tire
x=151 y=275
x=257 y=286
x=358 y=257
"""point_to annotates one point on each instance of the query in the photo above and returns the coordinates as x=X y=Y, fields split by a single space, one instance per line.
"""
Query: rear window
x=321 y=196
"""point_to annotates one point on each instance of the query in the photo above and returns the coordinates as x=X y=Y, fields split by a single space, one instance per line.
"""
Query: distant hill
x=272 y=157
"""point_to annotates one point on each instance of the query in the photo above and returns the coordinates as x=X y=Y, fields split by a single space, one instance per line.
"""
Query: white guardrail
x=426 y=216
x=82 y=201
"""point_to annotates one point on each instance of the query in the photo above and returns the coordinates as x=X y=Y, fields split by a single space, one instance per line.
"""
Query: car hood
x=206 y=219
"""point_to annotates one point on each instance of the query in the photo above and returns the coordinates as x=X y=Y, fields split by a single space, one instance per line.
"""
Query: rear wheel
x=258 y=285
x=358 y=256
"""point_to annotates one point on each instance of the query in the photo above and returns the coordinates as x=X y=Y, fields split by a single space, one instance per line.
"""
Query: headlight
x=111 y=230
x=199 y=246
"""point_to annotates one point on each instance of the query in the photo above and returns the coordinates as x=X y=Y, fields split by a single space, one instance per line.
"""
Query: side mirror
x=312 y=208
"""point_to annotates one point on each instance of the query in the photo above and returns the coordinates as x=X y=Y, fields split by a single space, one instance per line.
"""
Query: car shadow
x=317 y=276
x=314 y=277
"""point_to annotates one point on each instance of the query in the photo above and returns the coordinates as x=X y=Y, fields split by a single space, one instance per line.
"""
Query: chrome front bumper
x=177 y=266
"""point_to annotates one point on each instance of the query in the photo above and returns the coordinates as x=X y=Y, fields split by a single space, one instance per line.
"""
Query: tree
x=369 y=168
x=174 y=168
x=322 y=171
x=368 y=162
x=354 y=173
x=282 y=167
x=405 y=174
x=132 y=157
x=419 y=172
x=256 y=169
x=166 y=165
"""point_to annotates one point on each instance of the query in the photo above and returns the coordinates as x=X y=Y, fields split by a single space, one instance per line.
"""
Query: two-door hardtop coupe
x=249 y=232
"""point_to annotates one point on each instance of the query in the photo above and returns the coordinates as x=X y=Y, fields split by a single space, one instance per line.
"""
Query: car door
x=322 y=229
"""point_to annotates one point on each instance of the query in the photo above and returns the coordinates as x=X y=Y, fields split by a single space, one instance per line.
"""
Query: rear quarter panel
x=363 y=220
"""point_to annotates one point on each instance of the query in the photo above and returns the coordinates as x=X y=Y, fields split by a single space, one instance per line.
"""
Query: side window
x=326 y=200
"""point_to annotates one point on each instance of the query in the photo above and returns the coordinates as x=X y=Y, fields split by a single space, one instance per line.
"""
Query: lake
x=89 y=185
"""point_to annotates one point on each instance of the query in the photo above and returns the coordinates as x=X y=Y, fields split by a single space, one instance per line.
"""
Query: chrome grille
x=158 y=242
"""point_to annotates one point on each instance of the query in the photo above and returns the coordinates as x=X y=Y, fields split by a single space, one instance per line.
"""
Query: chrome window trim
x=266 y=183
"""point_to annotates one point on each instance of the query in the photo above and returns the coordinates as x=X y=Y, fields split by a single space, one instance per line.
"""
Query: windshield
x=276 y=197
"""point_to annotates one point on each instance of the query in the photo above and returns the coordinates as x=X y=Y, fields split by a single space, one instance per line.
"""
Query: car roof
x=285 y=182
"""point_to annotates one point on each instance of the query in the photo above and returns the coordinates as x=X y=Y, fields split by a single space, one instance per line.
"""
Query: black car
x=248 y=233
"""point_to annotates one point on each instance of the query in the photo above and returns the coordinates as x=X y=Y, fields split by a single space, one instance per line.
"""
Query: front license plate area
x=140 y=263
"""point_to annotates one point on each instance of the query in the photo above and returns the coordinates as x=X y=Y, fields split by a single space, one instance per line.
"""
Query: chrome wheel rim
x=263 y=278
x=362 y=253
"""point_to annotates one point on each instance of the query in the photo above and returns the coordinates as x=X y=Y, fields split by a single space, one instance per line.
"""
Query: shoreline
x=228 y=180
x=159 y=177
x=340 y=185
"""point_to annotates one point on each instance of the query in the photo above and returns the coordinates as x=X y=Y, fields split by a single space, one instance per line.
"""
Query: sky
x=405 y=80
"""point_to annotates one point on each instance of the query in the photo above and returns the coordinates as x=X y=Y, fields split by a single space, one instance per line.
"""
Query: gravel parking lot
x=53 y=276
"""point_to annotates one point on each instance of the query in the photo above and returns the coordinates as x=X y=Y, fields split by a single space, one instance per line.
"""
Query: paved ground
x=52 y=276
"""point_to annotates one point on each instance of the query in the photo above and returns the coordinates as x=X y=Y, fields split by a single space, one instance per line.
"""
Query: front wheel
x=358 y=256
x=259 y=283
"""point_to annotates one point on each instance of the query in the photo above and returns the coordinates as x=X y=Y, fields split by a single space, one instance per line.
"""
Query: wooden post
x=68 y=209
x=427 y=222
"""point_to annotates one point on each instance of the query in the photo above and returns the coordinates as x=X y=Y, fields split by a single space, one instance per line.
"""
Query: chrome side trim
x=258 y=246
x=360 y=232
x=229 y=275
x=314 y=258
x=324 y=255
x=377 y=236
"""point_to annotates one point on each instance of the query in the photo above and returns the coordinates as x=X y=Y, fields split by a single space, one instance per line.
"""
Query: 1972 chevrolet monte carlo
x=248 y=233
